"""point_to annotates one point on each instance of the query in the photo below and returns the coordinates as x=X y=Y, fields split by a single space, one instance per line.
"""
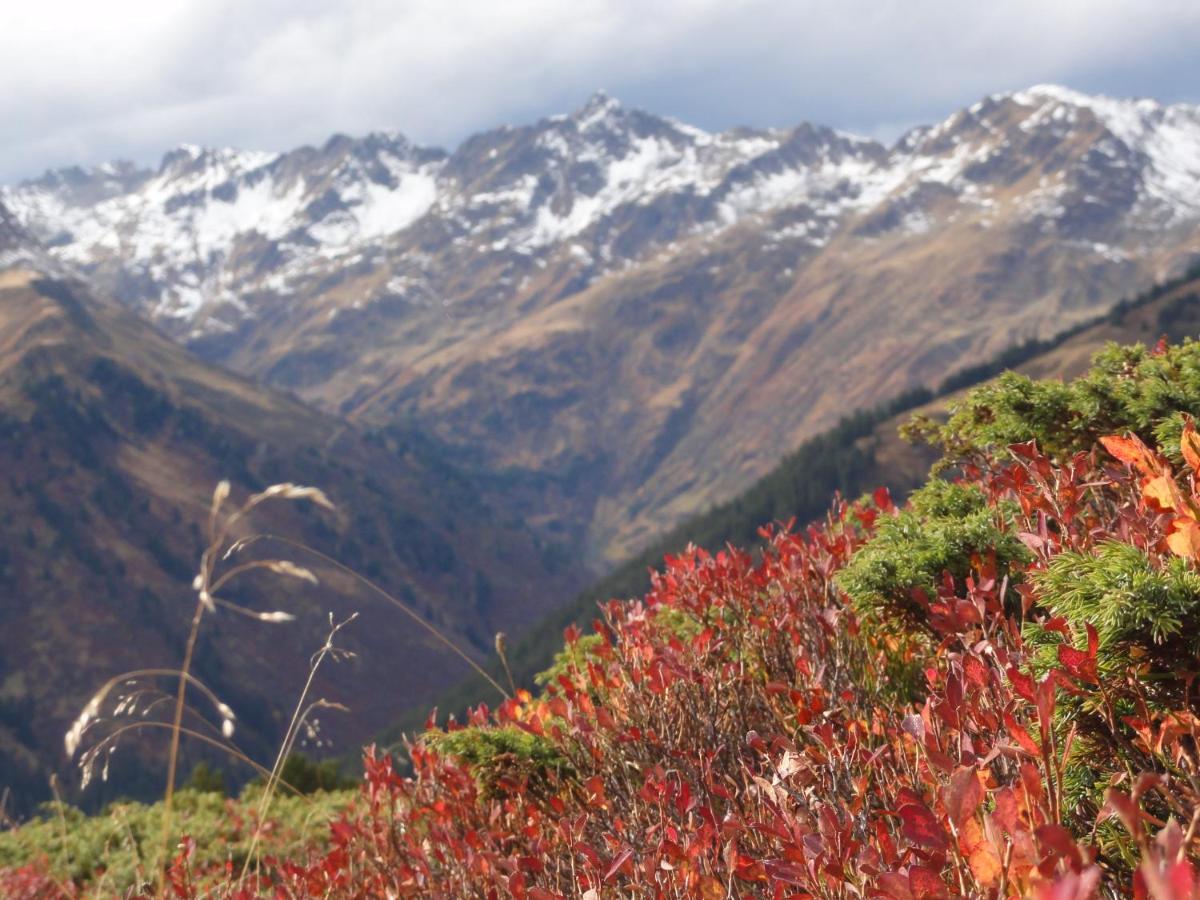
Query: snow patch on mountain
x=377 y=210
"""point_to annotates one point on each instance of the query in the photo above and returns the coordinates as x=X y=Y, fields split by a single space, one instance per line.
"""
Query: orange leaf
x=1132 y=451
x=1184 y=539
x=1189 y=445
x=1163 y=492
x=981 y=854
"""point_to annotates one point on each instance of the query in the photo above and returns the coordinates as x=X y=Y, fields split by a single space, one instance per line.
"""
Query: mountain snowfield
x=645 y=314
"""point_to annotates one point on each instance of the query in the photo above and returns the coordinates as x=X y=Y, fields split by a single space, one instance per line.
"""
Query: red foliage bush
x=741 y=732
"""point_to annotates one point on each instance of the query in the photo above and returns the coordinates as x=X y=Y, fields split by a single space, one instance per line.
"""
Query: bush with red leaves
x=1028 y=727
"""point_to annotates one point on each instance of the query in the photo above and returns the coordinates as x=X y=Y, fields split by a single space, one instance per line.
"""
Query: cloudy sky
x=87 y=81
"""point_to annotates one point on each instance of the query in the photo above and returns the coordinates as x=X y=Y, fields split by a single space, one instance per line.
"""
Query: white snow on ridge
x=1127 y=119
x=387 y=211
x=1169 y=136
x=655 y=166
x=180 y=227
x=377 y=210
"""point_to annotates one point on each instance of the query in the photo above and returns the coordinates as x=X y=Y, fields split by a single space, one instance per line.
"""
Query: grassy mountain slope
x=112 y=438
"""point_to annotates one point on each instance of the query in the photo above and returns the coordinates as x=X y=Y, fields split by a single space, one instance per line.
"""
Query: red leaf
x=1145 y=782
x=894 y=885
x=1008 y=812
x=1124 y=807
x=1060 y=841
x=975 y=671
x=925 y=884
x=1028 y=449
x=618 y=861
x=1022 y=684
x=787 y=872
x=963 y=794
x=1031 y=780
x=921 y=827
x=1045 y=704
x=1077 y=662
x=1059 y=624
x=1180 y=883
x=1070 y=886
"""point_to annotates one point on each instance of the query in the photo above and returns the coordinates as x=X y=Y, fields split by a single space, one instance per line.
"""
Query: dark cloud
x=84 y=82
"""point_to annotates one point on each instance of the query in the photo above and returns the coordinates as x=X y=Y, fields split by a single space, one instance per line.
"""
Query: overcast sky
x=82 y=82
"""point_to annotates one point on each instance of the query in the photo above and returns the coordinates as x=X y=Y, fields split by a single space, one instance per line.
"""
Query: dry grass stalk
x=206 y=585
x=394 y=601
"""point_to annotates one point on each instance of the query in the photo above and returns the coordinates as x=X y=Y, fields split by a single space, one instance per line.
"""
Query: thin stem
x=62 y=819
x=208 y=739
x=289 y=740
x=176 y=727
x=403 y=607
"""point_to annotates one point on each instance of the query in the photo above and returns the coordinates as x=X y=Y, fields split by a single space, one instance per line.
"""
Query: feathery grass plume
x=207 y=584
x=502 y=652
x=126 y=693
x=125 y=703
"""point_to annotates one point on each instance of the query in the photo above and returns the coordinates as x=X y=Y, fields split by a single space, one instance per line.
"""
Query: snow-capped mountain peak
x=1166 y=139
x=598 y=108
x=212 y=235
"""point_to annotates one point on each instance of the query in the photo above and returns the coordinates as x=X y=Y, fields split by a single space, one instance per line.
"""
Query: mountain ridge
x=388 y=160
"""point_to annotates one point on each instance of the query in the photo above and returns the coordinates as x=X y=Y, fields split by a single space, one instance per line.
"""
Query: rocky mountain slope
x=635 y=317
x=112 y=438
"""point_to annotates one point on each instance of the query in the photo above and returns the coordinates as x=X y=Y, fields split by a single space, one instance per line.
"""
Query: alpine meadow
x=600 y=505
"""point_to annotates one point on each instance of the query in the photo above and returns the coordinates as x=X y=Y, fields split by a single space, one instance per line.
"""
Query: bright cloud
x=85 y=81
